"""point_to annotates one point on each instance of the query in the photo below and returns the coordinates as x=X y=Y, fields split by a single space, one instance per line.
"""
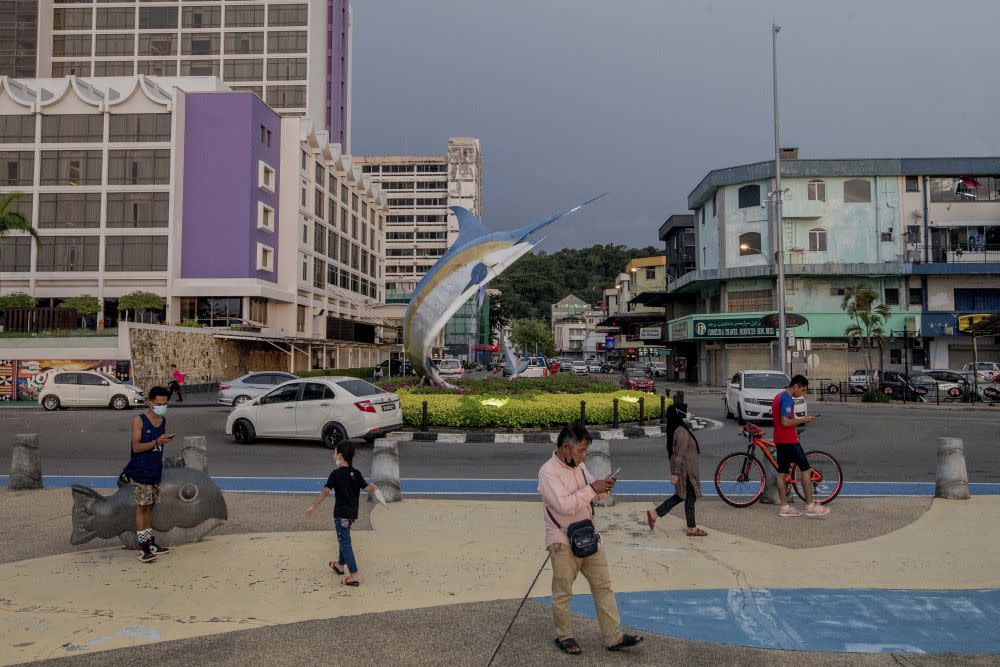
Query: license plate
x=388 y=406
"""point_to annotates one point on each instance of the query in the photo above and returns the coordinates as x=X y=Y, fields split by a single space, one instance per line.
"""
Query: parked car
x=658 y=368
x=858 y=380
x=636 y=379
x=926 y=385
x=536 y=368
x=579 y=368
x=750 y=394
x=78 y=389
x=991 y=368
x=988 y=391
x=450 y=369
x=329 y=409
x=593 y=366
x=638 y=365
x=250 y=386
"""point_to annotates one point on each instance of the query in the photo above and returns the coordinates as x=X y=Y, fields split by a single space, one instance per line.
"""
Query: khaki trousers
x=565 y=568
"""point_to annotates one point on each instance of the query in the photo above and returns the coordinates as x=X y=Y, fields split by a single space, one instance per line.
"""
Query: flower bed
x=505 y=410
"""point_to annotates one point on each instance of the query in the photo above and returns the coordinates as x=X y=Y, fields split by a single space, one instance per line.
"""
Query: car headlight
x=757 y=401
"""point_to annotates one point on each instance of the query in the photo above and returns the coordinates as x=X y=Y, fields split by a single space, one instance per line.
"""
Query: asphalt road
x=873 y=443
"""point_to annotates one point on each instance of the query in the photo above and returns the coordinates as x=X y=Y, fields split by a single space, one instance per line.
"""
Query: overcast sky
x=642 y=98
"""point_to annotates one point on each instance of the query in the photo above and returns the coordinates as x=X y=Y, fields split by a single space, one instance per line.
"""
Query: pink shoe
x=788 y=510
x=815 y=509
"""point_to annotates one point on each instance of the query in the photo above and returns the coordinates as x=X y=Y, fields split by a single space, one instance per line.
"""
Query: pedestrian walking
x=789 y=450
x=347 y=483
x=568 y=491
x=683 y=451
x=145 y=469
x=176 y=380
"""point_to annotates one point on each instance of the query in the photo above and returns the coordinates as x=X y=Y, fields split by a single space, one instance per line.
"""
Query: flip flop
x=569 y=646
x=697 y=533
x=335 y=568
x=627 y=642
x=345 y=582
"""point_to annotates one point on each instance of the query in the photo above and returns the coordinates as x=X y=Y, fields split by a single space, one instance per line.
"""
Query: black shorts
x=789 y=454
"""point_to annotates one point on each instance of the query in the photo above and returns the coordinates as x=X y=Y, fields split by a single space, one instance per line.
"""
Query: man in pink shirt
x=567 y=489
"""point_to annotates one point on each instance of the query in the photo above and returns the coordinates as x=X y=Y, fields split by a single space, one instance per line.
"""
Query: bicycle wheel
x=825 y=474
x=739 y=480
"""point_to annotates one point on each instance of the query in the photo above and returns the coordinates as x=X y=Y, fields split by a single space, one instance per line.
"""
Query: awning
x=654 y=299
x=986 y=327
x=630 y=319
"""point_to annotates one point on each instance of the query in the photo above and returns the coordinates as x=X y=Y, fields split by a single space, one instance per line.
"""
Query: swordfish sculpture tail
x=477 y=257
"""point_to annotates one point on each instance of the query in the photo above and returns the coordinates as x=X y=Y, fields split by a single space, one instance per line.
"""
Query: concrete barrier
x=385 y=469
x=25 y=463
x=952 y=480
x=194 y=451
x=599 y=465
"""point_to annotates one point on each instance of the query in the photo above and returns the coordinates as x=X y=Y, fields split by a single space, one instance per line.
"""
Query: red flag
x=970 y=182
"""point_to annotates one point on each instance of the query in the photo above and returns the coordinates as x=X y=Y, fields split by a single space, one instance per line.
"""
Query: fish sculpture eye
x=188 y=492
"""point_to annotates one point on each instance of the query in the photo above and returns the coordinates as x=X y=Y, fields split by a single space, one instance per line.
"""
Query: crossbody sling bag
x=583 y=537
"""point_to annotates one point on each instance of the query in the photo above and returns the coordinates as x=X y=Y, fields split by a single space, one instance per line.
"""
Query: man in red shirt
x=789 y=450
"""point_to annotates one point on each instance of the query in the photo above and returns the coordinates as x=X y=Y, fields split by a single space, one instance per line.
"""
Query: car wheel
x=333 y=435
x=119 y=402
x=725 y=404
x=50 y=402
x=739 y=416
x=240 y=400
x=243 y=432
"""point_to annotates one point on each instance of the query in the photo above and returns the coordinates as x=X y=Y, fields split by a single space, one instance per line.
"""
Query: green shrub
x=562 y=383
x=367 y=372
x=874 y=396
x=523 y=410
x=192 y=323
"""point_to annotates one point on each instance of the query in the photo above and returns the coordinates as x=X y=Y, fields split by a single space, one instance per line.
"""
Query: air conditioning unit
x=887 y=236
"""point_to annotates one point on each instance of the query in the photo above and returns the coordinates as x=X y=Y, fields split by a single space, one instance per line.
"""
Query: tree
x=498 y=314
x=17 y=300
x=531 y=334
x=11 y=220
x=867 y=328
x=83 y=305
x=140 y=301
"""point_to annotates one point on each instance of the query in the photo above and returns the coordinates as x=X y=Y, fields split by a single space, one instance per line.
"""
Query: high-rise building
x=294 y=55
x=18 y=38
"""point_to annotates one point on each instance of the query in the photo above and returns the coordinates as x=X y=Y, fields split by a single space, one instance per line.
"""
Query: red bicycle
x=740 y=478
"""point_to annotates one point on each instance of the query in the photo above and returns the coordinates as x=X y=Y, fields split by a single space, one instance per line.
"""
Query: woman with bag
x=683 y=450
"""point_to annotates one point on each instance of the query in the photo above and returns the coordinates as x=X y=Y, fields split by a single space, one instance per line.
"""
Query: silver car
x=250 y=386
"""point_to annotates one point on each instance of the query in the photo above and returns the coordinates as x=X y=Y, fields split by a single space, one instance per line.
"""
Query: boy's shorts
x=145 y=494
x=789 y=454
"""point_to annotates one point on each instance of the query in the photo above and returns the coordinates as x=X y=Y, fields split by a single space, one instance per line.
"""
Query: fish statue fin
x=84 y=500
x=480 y=297
x=469 y=226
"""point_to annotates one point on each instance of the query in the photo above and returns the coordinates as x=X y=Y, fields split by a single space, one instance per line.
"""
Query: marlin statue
x=477 y=257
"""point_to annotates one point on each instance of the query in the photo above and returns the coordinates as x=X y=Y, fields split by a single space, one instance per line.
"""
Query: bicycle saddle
x=752 y=430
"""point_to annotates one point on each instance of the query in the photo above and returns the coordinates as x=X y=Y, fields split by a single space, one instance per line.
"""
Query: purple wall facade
x=222 y=149
x=338 y=30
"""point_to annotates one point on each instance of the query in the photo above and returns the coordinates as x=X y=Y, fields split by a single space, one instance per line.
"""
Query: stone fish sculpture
x=190 y=506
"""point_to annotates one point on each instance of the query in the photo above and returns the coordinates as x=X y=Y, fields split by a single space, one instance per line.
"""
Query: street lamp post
x=778 y=222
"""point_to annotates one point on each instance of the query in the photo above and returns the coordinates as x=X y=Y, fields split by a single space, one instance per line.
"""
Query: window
x=138 y=209
x=650 y=273
x=964 y=188
x=251 y=16
x=243 y=70
x=913 y=184
x=139 y=167
x=286 y=69
x=265 y=217
x=749 y=244
x=71 y=45
x=331 y=244
x=114 y=68
x=212 y=310
x=69 y=68
x=837 y=291
x=258 y=314
x=200 y=68
x=817 y=240
x=892 y=296
x=285 y=42
x=136 y=127
x=158 y=18
x=69 y=210
x=67 y=378
x=286 y=96
x=983 y=299
x=916 y=296
x=287 y=15
x=69 y=253
x=319 y=238
x=318 y=173
x=244 y=42
x=265 y=177
x=62 y=129
x=135 y=253
x=749 y=196
x=17 y=129
x=115 y=18
x=15 y=254
x=857 y=191
x=315 y=391
x=750 y=301
x=18 y=168
x=300 y=318
x=319 y=273
x=202 y=17
x=71 y=168
x=895 y=356
x=265 y=257
x=715 y=195
x=72 y=19
x=285 y=393
x=114 y=45
x=158 y=45
x=200 y=44
x=816 y=190
x=304 y=262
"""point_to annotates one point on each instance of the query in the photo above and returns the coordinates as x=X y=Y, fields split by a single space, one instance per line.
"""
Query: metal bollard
x=663 y=409
x=583 y=412
x=666 y=392
x=25 y=463
x=642 y=411
x=614 y=413
x=423 y=417
x=599 y=465
x=385 y=469
x=952 y=479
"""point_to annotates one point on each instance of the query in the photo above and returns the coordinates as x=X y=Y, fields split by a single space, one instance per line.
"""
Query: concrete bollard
x=770 y=495
x=25 y=463
x=385 y=469
x=599 y=465
x=194 y=452
x=952 y=480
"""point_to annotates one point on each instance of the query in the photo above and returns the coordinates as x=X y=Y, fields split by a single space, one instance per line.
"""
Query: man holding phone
x=145 y=469
x=789 y=450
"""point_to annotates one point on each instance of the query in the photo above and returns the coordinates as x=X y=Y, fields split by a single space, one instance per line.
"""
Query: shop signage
x=650 y=333
x=609 y=343
x=732 y=327
x=678 y=330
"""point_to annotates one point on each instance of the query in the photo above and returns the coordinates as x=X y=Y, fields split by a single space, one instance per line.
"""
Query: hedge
x=562 y=383
x=520 y=411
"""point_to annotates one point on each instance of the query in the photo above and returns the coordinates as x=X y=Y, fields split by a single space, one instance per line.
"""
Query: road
x=873 y=443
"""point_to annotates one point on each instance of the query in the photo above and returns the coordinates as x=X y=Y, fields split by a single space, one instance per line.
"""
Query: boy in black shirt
x=347 y=484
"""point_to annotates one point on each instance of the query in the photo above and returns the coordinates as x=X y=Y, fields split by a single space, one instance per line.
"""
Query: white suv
x=750 y=394
x=450 y=369
x=72 y=389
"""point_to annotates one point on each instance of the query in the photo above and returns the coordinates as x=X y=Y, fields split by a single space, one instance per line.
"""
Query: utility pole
x=779 y=241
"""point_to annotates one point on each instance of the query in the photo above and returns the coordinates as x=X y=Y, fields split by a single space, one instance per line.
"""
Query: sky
x=641 y=99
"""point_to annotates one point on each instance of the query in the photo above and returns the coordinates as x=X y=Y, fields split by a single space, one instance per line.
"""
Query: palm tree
x=12 y=220
x=867 y=328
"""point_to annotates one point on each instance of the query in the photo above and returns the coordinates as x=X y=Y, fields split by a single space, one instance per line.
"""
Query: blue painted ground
x=838 y=620
x=501 y=487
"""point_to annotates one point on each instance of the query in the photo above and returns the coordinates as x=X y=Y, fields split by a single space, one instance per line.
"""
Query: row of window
x=191 y=44
x=82 y=253
x=338 y=216
x=86 y=128
x=325 y=274
x=340 y=249
x=166 y=18
x=276 y=69
x=440 y=201
x=750 y=242
x=83 y=167
x=82 y=210
x=408 y=269
x=418 y=252
x=410 y=219
x=405 y=169
x=419 y=236
x=419 y=185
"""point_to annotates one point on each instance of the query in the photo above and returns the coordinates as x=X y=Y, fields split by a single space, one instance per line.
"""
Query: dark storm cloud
x=641 y=99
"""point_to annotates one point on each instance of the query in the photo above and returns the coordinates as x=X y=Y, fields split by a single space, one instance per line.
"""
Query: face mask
x=160 y=409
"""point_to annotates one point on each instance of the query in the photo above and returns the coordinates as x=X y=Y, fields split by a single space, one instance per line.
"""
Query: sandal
x=350 y=583
x=697 y=532
x=336 y=568
x=626 y=642
x=650 y=519
x=569 y=646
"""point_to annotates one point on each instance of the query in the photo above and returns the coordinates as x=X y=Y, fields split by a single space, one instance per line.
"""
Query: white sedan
x=330 y=409
x=750 y=394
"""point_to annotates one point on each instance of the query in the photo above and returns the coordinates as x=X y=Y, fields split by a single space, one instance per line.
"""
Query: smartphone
x=614 y=475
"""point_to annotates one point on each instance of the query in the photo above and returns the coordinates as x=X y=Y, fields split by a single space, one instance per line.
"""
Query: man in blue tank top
x=145 y=469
